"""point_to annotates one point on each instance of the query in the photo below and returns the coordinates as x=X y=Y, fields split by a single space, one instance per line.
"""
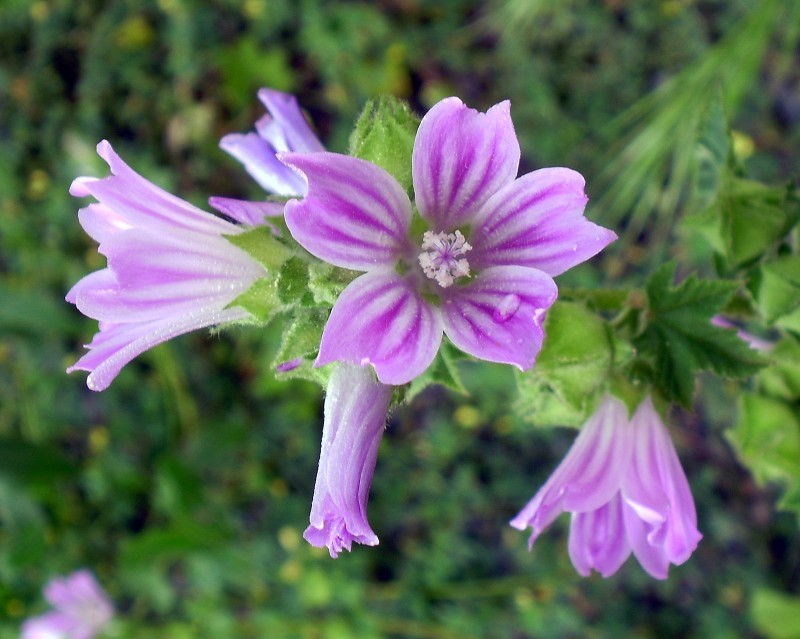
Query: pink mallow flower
x=477 y=266
x=624 y=485
x=82 y=609
x=355 y=416
x=170 y=269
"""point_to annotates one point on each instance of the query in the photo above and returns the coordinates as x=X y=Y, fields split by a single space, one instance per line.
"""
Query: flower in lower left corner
x=81 y=609
x=170 y=269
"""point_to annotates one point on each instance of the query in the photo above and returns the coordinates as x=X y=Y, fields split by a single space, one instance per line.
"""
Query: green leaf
x=384 y=135
x=777 y=287
x=790 y=502
x=679 y=339
x=27 y=464
x=767 y=438
x=167 y=544
x=443 y=370
x=745 y=220
x=261 y=300
x=776 y=615
x=782 y=378
x=752 y=219
x=713 y=151
x=262 y=245
x=571 y=371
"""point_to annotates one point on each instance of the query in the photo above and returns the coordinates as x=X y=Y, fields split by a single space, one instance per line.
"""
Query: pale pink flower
x=81 y=609
x=625 y=488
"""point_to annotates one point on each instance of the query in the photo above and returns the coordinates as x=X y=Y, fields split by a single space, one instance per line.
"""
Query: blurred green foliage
x=187 y=484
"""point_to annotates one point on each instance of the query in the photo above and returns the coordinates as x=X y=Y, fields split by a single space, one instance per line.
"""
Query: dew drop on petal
x=507 y=307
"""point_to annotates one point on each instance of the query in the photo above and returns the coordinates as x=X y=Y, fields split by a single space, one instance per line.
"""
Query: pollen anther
x=441 y=256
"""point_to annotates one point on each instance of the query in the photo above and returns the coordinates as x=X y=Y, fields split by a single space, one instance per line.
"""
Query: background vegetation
x=186 y=485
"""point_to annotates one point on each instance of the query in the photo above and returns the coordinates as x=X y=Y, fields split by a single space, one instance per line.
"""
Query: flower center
x=441 y=256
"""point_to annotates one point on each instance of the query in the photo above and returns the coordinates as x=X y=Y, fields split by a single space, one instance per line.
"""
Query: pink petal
x=462 y=157
x=285 y=127
x=247 y=212
x=355 y=215
x=258 y=157
x=498 y=316
x=355 y=416
x=82 y=609
x=590 y=474
x=597 y=539
x=537 y=221
x=101 y=223
x=141 y=203
x=652 y=557
x=117 y=344
x=380 y=319
x=655 y=488
x=151 y=276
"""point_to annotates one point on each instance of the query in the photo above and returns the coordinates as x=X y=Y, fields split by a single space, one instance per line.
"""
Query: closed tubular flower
x=282 y=128
x=170 y=269
x=481 y=272
x=355 y=415
x=624 y=485
x=81 y=609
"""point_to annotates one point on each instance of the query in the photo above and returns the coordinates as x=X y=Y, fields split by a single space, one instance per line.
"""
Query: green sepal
x=261 y=300
x=443 y=370
x=300 y=341
x=326 y=282
x=384 y=135
x=264 y=246
x=572 y=369
x=678 y=339
x=293 y=280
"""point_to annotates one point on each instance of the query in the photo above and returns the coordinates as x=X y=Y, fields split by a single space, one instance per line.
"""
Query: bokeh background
x=186 y=486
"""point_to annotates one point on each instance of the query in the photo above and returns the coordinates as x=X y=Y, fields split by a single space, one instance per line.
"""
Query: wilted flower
x=170 y=269
x=82 y=609
x=355 y=416
x=482 y=270
x=624 y=485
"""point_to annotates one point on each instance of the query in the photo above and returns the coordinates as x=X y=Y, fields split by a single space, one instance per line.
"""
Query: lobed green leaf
x=680 y=340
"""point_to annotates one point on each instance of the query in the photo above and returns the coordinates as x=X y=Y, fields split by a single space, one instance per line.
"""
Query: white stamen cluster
x=441 y=256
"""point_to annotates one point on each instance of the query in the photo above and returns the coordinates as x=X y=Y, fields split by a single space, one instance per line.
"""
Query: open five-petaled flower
x=473 y=257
